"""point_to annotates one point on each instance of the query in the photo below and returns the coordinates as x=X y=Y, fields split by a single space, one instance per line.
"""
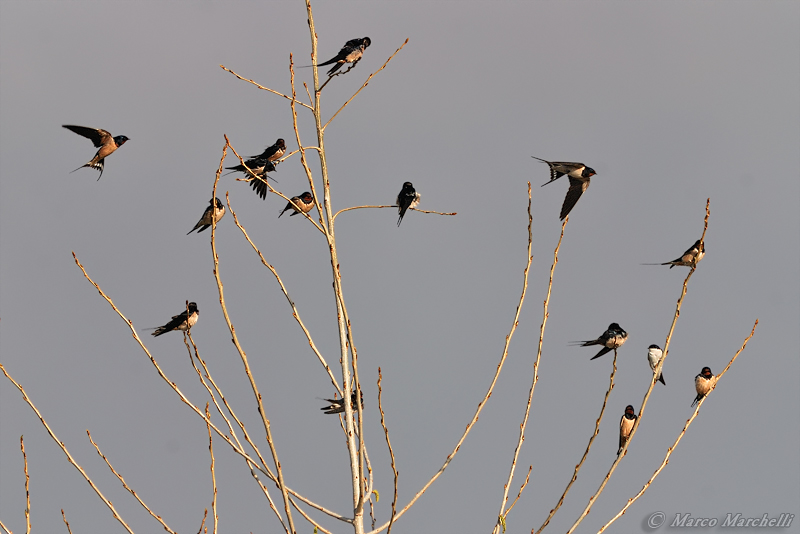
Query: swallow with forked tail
x=690 y=258
x=654 y=354
x=337 y=405
x=300 y=204
x=183 y=321
x=209 y=215
x=611 y=339
x=106 y=145
x=579 y=177
x=408 y=198
x=351 y=52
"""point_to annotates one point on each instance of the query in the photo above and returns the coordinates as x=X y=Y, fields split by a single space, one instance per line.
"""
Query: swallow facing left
x=303 y=203
x=105 y=143
x=351 y=52
x=408 y=198
x=337 y=405
x=579 y=175
x=703 y=383
x=690 y=258
x=183 y=321
x=208 y=216
x=613 y=338
x=654 y=354
x=626 y=425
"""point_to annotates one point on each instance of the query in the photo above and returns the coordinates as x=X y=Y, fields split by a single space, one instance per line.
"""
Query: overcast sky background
x=671 y=103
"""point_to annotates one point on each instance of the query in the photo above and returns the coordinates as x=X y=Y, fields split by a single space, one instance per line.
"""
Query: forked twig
x=66 y=452
x=125 y=485
x=680 y=436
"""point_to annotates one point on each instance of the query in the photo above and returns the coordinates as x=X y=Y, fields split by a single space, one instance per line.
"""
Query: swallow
x=613 y=338
x=337 y=405
x=208 y=215
x=625 y=426
x=408 y=198
x=105 y=143
x=690 y=258
x=302 y=203
x=654 y=353
x=183 y=321
x=579 y=177
x=703 y=383
x=351 y=52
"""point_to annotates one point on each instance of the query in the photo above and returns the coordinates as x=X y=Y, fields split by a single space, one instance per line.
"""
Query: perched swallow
x=703 y=383
x=579 y=175
x=613 y=338
x=337 y=405
x=103 y=140
x=625 y=426
x=260 y=165
x=653 y=357
x=690 y=258
x=183 y=321
x=304 y=203
x=408 y=198
x=205 y=220
x=351 y=52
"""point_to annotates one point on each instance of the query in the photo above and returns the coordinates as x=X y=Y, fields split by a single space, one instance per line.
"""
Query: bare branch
x=392 y=206
x=213 y=474
x=64 y=517
x=391 y=453
x=27 y=481
x=223 y=67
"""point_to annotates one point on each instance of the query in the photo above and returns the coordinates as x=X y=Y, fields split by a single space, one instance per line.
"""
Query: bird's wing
x=97 y=136
x=576 y=188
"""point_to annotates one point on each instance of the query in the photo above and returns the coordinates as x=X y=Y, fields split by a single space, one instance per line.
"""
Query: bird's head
x=120 y=140
x=706 y=372
x=366 y=41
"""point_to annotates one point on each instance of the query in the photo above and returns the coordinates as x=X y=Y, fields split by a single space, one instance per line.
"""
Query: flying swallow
x=337 y=405
x=625 y=426
x=408 y=198
x=613 y=338
x=703 y=383
x=304 y=203
x=690 y=258
x=351 y=52
x=208 y=215
x=183 y=321
x=105 y=143
x=654 y=353
x=579 y=177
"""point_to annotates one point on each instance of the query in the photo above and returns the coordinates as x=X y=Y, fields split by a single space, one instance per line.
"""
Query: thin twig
x=503 y=514
x=64 y=517
x=519 y=494
x=203 y=522
x=364 y=85
x=125 y=485
x=213 y=474
x=66 y=452
x=392 y=206
x=27 y=481
x=223 y=67
x=680 y=436
x=6 y=528
x=481 y=404
x=391 y=454
x=656 y=373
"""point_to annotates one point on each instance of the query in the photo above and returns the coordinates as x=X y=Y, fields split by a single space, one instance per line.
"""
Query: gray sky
x=671 y=103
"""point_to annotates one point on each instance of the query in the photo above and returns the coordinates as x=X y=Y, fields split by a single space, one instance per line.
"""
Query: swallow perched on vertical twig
x=613 y=338
x=302 y=203
x=209 y=216
x=105 y=143
x=351 y=52
x=337 y=405
x=579 y=175
x=626 y=425
x=408 y=198
x=703 y=383
x=690 y=258
x=654 y=354
x=183 y=321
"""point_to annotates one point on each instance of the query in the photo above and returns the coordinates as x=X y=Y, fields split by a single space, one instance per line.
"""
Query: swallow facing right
x=579 y=175
x=626 y=425
x=183 y=321
x=337 y=405
x=408 y=198
x=613 y=338
x=260 y=165
x=208 y=216
x=703 y=383
x=654 y=354
x=105 y=143
x=302 y=203
x=690 y=258
x=351 y=52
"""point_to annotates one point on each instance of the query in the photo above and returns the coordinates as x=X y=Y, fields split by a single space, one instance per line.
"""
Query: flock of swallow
x=258 y=166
